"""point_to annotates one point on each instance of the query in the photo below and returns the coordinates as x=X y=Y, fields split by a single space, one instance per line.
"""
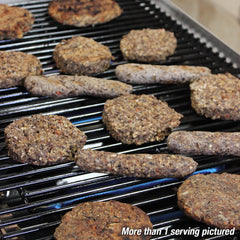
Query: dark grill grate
x=34 y=199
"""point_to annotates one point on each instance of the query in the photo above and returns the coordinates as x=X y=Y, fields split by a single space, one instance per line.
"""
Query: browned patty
x=60 y=86
x=81 y=13
x=43 y=140
x=217 y=96
x=14 y=22
x=204 y=143
x=16 y=66
x=139 y=119
x=135 y=165
x=102 y=221
x=147 y=74
x=148 y=45
x=81 y=56
x=213 y=199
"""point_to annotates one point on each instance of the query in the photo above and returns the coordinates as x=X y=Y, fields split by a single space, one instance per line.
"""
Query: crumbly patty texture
x=81 y=56
x=135 y=165
x=43 y=140
x=81 y=13
x=217 y=96
x=148 y=45
x=59 y=86
x=12 y=73
x=14 y=22
x=151 y=74
x=213 y=199
x=204 y=143
x=139 y=119
x=102 y=220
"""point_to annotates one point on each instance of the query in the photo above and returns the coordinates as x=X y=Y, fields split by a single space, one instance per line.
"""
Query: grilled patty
x=135 y=165
x=148 y=45
x=81 y=56
x=213 y=199
x=204 y=143
x=217 y=96
x=16 y=66
x=81 y=13
x=43 y=140
x=139 y=119
x=14 y=22
x=147 y=74
x=60 y=86
x=101 y=221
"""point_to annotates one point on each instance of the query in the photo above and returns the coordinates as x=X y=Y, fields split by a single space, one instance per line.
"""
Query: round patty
x=102 y=220
x=139 y=119
x=213 y=199
x=14 y=22
x=81 y=13
x=12 y=73
x=148 y=45
x=82 y=56
x=43 y=140
x=217 y=96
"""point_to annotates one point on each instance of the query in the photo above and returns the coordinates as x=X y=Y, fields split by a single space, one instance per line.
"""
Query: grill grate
x=33 y=199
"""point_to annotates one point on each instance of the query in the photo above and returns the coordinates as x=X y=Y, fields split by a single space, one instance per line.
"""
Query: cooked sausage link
x=204 y=143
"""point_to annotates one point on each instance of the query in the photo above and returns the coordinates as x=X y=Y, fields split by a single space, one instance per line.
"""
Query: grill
x=33 y=199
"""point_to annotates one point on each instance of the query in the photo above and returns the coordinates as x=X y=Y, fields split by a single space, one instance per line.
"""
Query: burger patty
x=60 y=86
x=139 y=119
x=147 y=74
x=81 y=56
x=217 y=96
x=14 y=22
x=213 y=199
x=135 y=165
x=148 y=45
x=12 y=73
x=81 y=13
x=102 y=220
x=204 y=143
x=43 y=140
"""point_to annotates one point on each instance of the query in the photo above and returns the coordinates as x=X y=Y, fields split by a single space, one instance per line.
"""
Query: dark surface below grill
x=33 y=199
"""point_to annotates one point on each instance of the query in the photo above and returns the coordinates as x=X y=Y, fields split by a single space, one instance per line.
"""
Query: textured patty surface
x=43 y=140
x=213 y=199
x=148 y=74
x=204 y=143
x=148 y=45
x=14 y=22
x=135 y=165
x=139 y=119
x=102 y=220
x=81 y=56
x=60 y=86
x=16 y=66
x=217 y=96
x=81 y=13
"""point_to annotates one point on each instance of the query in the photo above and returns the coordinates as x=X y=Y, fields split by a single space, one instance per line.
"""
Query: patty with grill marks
x=148 y=45
x=81 y=56
x=43 y=140
x=14 y=22
x=103 y=220
x=217 y=96
x=134 y=73
x=82 y=13
x=60 y=86
x=204 y=143
x=138 y=119
x=16 y=66
x=135 y=165
x=213 y=199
